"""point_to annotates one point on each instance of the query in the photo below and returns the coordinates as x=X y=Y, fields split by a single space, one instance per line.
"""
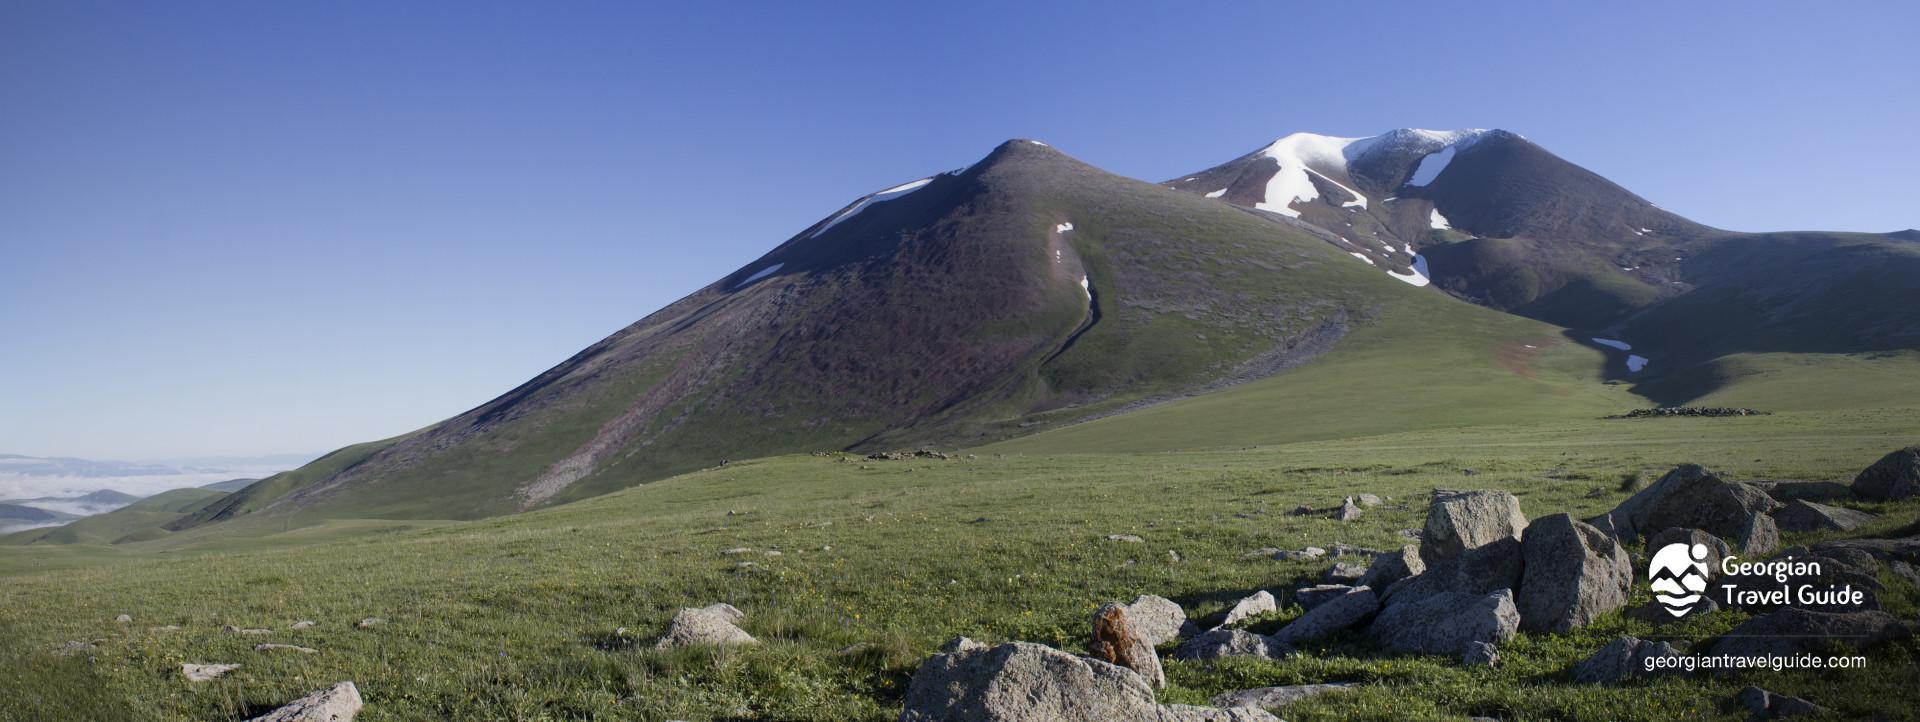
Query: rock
x=1795 y=631
x=1263 y=553
x=1349 y=511
x=1481 y=654
x=1259 y=602
x=1622 y=659
x=230 y=629
x=1755 y=699
x=123 y=619
x=339 y=703
x=1791 y=707
x=1458 y=521
x=1367 y=500
x=370 y=622
x=1808 y=516
x=1894 y=476
x=1677 y=535
x=1446 y=623
x=1573 y=573
x=1331 y=617
x=302 y=624
x=287 y=647
x=1691 y=497
x=1306 y=554
x=205 y=672
x=968 y=681
x=708 y=626
x=1229 y=643
x=1157 y=620
x=1116 y=642
x=74 y=647
x=1343 y=573
x=1767 y=705
x=1390 y=567
x=1314 y=596
x=1128 y=538
x=1173 y=556
x=1785 y=491
x=1275 y=697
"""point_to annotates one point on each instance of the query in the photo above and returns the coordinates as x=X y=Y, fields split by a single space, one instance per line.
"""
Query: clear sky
x=247 y=227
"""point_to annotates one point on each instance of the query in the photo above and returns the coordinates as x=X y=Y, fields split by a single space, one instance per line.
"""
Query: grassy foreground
x=516 y=618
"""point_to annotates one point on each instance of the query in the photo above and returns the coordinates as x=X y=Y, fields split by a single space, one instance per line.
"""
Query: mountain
x=93 y=502
x=229 y=485
x=1495 y=219
x=14 y=517
x=1024 y=292
x=142 y=520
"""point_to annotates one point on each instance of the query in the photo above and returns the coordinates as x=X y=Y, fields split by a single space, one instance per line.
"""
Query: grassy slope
x=1795 y=381
x=514 y=617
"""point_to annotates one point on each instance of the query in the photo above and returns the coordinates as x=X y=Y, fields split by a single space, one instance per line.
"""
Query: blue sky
x=240 y=228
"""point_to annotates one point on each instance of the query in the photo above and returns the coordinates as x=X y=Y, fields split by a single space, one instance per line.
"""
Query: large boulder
x=1459 y=521
x=1894 y=476
x=1692 y=497
x=1623 y=659
x=1314 y=596
x=1255 y=604
x=1785 y=491
x=1446 y=623
x=1115 y=641
x=1796 y=631
x=1573 y=573
x=1229 y=643
x=972 y=682
x=339 y=703
x=1157 y=620
x=1807 y=516
x=1330 y=617
x=1390 y=567
x=710 y=626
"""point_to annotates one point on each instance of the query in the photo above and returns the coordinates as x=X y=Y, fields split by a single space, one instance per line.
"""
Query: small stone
x=205 y=672
x=370 y=622
x=1259 y=602
x=1367 y=500
x=1275 y=697
x=1343 y=573
x=287 y=647
x=230 y=629
x=1481 y=654
x=303 y=624
x=1128 y=538
x=1173 y=556
x=123 y=619
x=1348 y=511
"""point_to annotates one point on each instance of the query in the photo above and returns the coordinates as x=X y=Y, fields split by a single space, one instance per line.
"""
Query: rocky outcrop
x=1785 y=491
x=1349 y=511
x=1691 y=497
x=972 y=682
x=1808 y=516
x=1622 y=659
x=710 y=626
x=1343 y=573
x=1446 y=623
x=1116 y=642
x=1480 y=654
x=1794 y=631
x=1229 y=643
x=1894 y=476
x=1460 y=521
x=1314 y=596
x=1573 y=573
x=1710 y=411
x=1331 y=617
x=1390 y=567
x=339 y=703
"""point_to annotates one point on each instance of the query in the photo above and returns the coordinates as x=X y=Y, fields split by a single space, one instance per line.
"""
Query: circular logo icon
x=1678 y=575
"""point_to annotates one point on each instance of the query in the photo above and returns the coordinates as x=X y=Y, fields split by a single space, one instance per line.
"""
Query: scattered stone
x=1808 y=516
x=1021 y=681
x=75 y=647
x=1128 y=538
x=206 y=672
x=1622 y=659
x=713 y=625
x=1390 y=567
x=1446 y=623
x=302 y=624
x=1276 y=697
x=1711 y=411
x=1307 y=554
x=1894 y=476
x=1303 y=510
x=287 y=647
x=1331 y=617
x=167 y=628
x=1259 y=602
x=1116 y=642
x=123 y=619
x=736 y=551
x=370 y=622
x=1314 y=596
x=1173 y=556
x=1481 y=654
x=1367 y=499
x=1795 y=631
x=1348 y=511
x=1343 y=573
x=1229 y=643
x=1573 y=573
x=230 y=629
x=1262 y=553
x=1157 y=620
x=339 y=703
x=1767 y=705
x=1691 y=497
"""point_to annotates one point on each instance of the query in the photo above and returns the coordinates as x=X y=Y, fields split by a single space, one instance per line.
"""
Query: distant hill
x=76 y=505
x=138 y=521
x=230 y=485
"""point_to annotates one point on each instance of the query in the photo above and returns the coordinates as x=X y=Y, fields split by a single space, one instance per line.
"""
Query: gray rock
x=1390 y=567
x=1573 y=574
x=123 y=619
x=1349 y=511
x=302 y=624
x=230 y=629
x=1785 y=491
x=287 y=647
x=1807 y=516
x=339 y=703
x=1331 y=617
x=1794 y=631
x=206 y=672
x=1481 y=654
x=1458 y=521
x=1263 y=553
x=1767 y=705
x=708 y=626
x=1128 y=538
x=1760 y=536
x=1158 y=620
x=1367 y=499
x=1308 y=553
x=370 y=622
x=1894 y=476
x=1259 y=602
x=1276 y=697
x=1229 y=643
x=1446 y=623
x=1314 y=596
x=970 y=682
x=1691 y=497
x=1343 y=573
x=1622 y=659
x=1116 y=641
x=1755 y=699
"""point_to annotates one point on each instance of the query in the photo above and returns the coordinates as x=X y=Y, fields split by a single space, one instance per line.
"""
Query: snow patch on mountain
x=1063 y=228
x=1361 y=256
x=885 y=195
x=1419 y=276
x=1437 y=221
x=1614 y=343
x=762 y=273
x=1218 y=193
x=1636 y=362
x=1430 y=166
